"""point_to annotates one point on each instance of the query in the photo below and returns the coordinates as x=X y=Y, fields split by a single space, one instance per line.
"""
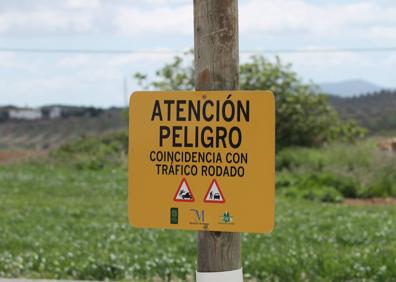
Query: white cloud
x=85 y=4
x=383 y=33
x=60 y=17
x=140 y=58
x=134 y=21
x=78 y=88
x=45 y=21
x=334 y=19
x=342 y=66
x=98 y=75
x=139 y=23
x=364 y=19
x=10 y=60
x=328 y=60
x=160 y=2
x=391 y=62
x=114 y=62
x=74 y=61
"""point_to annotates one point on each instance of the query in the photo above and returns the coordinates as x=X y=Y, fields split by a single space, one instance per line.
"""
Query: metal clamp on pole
x=226 y=276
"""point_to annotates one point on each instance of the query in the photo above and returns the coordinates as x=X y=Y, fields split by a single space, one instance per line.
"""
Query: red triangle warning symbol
x=183 y=193
x=214 y=194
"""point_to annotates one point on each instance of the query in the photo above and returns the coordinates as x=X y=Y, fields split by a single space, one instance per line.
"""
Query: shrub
x=315 y=187
x=354 y=170
x=94 y=152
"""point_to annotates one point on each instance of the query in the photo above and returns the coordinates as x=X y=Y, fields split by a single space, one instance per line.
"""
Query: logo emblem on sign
x=226 y=218
x=214 y=194
x=174 y=215
x=183 y=193
x=199 y=215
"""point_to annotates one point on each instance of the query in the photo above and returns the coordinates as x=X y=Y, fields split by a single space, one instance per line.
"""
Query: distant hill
x=349 y=88
x=47 y=133
x=375 y=111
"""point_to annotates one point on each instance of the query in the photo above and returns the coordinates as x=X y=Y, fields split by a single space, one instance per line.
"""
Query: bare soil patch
x=370 y=202
x=13 y=156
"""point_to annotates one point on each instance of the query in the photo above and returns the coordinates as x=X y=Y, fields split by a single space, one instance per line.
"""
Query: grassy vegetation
x=95 y=152
x=340 y=170
x=69 y=223
x=327 y=174
x=66 y=218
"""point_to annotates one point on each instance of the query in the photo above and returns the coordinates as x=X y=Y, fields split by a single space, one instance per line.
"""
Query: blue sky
x=152 y=25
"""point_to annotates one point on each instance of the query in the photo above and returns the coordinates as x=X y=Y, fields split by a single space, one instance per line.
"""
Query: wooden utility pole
x=217 y=68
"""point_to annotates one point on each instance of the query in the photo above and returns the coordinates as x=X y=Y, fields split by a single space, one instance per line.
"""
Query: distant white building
x=55 y=112
x=25 y=113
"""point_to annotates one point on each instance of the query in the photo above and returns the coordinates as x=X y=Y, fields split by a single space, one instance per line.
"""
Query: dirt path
x=13 y=156
x=9 y=156
x=370 y=202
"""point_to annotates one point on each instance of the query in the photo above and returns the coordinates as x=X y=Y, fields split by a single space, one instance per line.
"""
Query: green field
x=60 y=222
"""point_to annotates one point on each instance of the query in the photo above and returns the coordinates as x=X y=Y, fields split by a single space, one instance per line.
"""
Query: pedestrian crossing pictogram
x=214 y=194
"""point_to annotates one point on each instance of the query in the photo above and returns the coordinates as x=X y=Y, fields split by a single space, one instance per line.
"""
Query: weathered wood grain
x=216 y=53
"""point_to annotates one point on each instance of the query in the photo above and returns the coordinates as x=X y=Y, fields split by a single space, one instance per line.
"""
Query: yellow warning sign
x=202 y=160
